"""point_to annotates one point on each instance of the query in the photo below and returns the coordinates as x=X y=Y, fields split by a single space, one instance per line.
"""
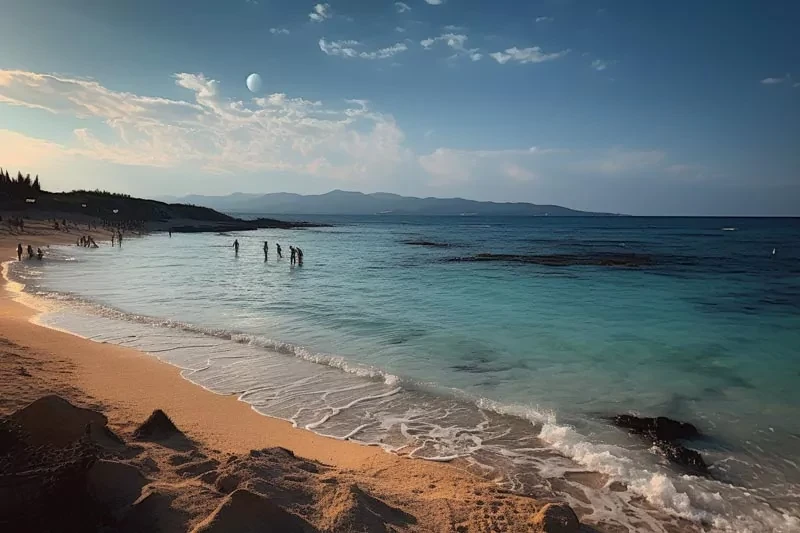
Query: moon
x=254 y=82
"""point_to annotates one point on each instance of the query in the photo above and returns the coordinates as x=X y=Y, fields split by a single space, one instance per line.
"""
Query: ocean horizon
x=504 y=342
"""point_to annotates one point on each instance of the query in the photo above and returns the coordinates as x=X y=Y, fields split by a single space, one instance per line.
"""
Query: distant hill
x=355 y=203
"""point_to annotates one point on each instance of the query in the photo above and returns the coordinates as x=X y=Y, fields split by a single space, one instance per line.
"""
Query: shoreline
x=129 y=385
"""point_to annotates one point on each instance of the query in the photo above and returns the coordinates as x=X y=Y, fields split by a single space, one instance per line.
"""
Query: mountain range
x=355 y=203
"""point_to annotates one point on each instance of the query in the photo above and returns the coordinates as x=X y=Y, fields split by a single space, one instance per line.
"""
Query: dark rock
x=556 y=518
x=610 y=260
x=683 y=456
x=660 y=428
x=663 y=432
x=427 y=243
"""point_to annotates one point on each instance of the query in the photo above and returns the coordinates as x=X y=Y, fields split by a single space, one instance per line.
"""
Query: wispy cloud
x=210 y=132
x=321 y=12
x=435 y=2
x=402 y=7
x=455 y=41
x=621 y=161
x=602 y=64
x=545 y=19
x=279 y=31
x=447 y=165
x=775 y=81
x=453 y=28
x=348 y=49
x=532 y=54
x=398 y=29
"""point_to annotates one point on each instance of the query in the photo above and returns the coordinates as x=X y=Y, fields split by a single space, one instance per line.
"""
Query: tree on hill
x=21 y=186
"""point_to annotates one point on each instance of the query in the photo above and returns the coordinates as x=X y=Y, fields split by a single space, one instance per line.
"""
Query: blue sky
x=624 y=106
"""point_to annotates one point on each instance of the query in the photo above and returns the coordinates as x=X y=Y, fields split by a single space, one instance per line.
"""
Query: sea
x=509 y=368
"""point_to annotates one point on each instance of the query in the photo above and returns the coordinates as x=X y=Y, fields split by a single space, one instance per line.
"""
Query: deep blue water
x=409 y=344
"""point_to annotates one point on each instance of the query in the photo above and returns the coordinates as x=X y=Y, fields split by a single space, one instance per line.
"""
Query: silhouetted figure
x=39 y=254
x=266 y=251
x=236 y=246
x=119 y=238
x=299 y=257
x=19 y=252
x=170 y=233
x=112 y=239
x=278 y=246
x=30 y=252
x=292 y=255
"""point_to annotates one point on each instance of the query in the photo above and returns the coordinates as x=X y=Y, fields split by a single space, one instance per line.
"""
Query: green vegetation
x=21 y=186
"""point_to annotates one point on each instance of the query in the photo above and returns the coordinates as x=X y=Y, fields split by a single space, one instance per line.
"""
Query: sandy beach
x=203 y=474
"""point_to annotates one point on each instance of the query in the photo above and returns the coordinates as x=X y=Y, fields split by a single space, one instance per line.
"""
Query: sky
x=625 y=106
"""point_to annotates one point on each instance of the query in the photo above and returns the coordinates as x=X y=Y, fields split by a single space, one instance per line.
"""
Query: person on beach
x=39 y=254
x=266 y=251
x=112 y=239
x=236 y=246
x=299 y=256
x=19 y=252
x=278 y=246
x=292 y=255
x=30 y=252
x=119 y=238
x=170 y=233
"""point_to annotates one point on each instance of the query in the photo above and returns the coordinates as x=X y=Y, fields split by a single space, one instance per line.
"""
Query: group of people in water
x=87 y=242
x=295 y=258
x=38 y=255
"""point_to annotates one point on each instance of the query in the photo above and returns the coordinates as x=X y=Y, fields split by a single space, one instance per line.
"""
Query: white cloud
x=211 y=133
x=402 y=7
x=455 y=41
x=321 y=12
x=448 y=165
x=601 y=64
x=796 y=84
x=435 y=2
x=279 y=31
x=453 y=28
x=773 y=81
x=208 y=133
x=533 y=54
x=544 y=19
x=347 y=49
x=621 y=161
x=518 y=173
x=398 y=29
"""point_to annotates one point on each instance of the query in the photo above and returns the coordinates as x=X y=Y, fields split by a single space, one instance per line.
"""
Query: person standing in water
x=292 y=255
x=278 y=246
x=30 y=252
x=19 y=252
x=119 y=238
x=266 y=250
x=236 y=246
x=112 y=239
x=299 y=257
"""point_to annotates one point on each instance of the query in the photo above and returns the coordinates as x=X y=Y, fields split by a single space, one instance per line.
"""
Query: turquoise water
x=514 y=367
